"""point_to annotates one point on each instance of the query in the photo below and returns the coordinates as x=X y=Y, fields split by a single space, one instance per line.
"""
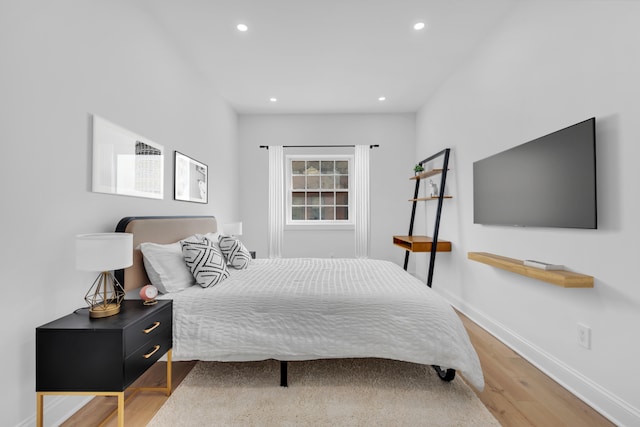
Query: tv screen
x=547 y=182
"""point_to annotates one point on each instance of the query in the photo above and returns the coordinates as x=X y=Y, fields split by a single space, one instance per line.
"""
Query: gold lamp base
x=104 y=310
x=105 y=296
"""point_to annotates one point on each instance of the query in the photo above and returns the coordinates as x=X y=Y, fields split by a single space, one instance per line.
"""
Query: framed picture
x=125 y=163
x=191 y=183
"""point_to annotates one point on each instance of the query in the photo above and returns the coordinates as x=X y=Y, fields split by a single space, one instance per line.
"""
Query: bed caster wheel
x=445 y=374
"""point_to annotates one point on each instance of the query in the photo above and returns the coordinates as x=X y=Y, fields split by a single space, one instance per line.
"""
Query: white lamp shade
x=233 y=229
x=104 y=251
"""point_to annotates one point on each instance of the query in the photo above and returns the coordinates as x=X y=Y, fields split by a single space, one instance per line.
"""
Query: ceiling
x=326 y=56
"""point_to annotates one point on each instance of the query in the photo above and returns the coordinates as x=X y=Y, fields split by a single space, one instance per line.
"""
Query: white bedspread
x=303 y=309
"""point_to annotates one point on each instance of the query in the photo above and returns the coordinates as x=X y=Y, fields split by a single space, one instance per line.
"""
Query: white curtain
x=276 y=200
x=361 y=200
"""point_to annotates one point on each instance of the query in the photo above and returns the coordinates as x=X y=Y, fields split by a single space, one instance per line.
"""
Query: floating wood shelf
x=421 y=243
x=427 y=174
x=422 y=199
x=566 y=279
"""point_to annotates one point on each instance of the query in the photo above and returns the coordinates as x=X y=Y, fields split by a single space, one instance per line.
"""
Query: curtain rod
x=319 y=146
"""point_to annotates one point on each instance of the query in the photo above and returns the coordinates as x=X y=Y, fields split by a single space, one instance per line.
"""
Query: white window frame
x=322 y=224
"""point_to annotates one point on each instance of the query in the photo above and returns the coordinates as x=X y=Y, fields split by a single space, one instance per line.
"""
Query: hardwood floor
x=519 y=394
x=139 y=407
x=516 y=393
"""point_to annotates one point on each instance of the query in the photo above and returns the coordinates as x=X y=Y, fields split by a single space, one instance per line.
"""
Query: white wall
x=391 y=166
x=60 y=62
x=550 y=65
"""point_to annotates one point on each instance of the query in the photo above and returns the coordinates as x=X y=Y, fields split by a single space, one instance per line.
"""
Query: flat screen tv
x=547 y=182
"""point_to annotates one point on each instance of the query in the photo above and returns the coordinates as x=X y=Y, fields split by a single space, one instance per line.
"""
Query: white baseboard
x=57 y=409
x=617 y=410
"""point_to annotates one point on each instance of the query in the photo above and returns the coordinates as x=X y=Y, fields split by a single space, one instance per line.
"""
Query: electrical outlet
x=584 y=336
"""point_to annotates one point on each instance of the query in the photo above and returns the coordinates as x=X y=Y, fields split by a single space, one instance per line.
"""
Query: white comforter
x=303 y=309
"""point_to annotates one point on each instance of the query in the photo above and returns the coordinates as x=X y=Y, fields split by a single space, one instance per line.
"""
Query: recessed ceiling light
x=272 y=99
x=242 y=27
x=418 y=26
x=382 y=98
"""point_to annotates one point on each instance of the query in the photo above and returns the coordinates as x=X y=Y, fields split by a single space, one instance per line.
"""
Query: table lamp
x=232 y=229
x=104 y=252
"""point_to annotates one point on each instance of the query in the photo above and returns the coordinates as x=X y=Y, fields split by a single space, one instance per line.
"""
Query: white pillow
x=165 y=267
x=206 y=262
x=235 y=252
x=212 y=238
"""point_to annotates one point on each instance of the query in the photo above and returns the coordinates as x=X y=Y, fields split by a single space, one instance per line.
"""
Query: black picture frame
x=190 y=179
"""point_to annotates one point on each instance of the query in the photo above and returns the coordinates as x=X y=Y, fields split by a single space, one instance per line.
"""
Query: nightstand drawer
x=157 y=326
x=144 y=357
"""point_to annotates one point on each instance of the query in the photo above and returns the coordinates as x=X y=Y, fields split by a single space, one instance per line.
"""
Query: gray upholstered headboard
x=157 y=229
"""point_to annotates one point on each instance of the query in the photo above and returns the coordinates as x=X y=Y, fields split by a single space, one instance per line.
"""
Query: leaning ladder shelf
x=431 y=244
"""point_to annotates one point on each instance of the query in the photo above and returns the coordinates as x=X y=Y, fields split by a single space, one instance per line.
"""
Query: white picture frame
x=125 y=163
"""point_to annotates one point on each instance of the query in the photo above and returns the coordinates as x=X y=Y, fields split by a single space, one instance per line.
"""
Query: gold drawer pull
x=152 y=327
x=155 y=349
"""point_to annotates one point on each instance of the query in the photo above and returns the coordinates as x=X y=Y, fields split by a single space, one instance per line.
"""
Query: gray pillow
x=165 y=267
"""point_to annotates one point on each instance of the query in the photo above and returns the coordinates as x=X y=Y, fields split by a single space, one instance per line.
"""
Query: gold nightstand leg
x=167 y=388
x=121 y=409
x=39 y=409
x=169 y=372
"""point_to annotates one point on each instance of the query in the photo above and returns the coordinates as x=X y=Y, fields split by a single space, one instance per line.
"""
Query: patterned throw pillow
x=206 y=263
x=234 y=251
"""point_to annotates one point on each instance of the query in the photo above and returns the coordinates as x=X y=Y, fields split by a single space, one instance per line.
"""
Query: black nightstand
x=82 y=356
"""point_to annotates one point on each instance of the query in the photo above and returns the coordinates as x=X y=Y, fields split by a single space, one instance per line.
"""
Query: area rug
x=341 y=392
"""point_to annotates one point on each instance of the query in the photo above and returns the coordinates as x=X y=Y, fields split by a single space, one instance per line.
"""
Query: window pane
x=342 y=167
x=313 y=198
x=342 y=213
x=313 y=182
x=319 y=190
x=342 y=181
x=326 y=167
x=297 y=167
x=313 y=213
x=327 y=213
x=313 y=167
x=327 y=182
x=297 y=198
x=297 y=213
x=298 y=182
x=327 y=198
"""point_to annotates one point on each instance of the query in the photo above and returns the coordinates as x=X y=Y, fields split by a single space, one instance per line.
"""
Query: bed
x=306 y=309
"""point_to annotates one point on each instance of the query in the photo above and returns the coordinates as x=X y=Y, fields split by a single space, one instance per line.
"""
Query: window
x=319 y=190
